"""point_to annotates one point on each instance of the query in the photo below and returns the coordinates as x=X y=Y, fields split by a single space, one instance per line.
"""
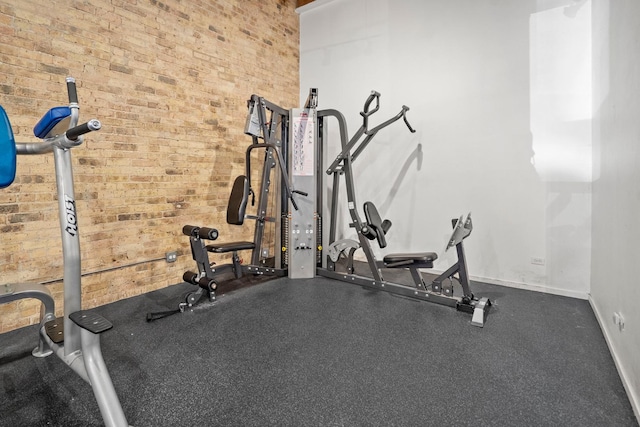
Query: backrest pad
x=238 y=201
x=7 y=151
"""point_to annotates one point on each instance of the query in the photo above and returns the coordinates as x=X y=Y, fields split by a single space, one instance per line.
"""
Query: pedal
x=55 y=330
x=90 y=321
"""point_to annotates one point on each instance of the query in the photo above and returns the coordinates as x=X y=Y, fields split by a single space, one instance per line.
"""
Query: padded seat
x=230 y=247
x=421 y=259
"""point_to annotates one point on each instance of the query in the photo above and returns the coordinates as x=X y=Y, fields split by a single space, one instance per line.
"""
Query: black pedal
x=92 y=322
x=55 y=330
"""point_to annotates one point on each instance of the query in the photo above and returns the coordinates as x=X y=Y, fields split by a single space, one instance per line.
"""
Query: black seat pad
x=230 y=247
x=405 y=259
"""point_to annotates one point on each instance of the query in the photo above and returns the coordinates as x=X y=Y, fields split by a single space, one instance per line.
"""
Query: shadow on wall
x=415 y=156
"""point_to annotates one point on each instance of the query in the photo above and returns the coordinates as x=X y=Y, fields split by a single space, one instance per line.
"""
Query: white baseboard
x=531 y=287
x=632 y=394
x=584 y=295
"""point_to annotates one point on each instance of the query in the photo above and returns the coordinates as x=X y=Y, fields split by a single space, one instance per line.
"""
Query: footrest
x=336 y=248
x=480 y=312
x=230 y=247
x=407 y=259
x=55 y=330
x=90 y=321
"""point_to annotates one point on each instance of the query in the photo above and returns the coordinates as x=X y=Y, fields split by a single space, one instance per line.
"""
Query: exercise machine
x=339 y=261
x=294 y=139
x=269 y=127
x=74 y=338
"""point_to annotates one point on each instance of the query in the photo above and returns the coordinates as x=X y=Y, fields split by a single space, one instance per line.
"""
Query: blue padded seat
x=7 y=151
x=50 y=120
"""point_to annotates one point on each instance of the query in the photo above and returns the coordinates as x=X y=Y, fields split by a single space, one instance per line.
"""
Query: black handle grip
x=71 y=89
x=87 y=127
x=302 y=193
x=366 y=113
x=404 y=117
x=374 y=96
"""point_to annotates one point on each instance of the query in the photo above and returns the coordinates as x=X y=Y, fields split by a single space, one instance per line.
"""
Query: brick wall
x=169 y=81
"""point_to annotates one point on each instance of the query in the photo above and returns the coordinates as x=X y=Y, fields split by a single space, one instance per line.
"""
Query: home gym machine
x=296 y=138
x=75 y=338
x=269 y=127
x=339 y=262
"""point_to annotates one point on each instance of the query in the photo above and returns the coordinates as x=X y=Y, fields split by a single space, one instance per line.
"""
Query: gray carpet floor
x=319 y=352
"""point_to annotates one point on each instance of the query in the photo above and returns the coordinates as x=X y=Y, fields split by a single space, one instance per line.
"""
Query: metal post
x=70 y=247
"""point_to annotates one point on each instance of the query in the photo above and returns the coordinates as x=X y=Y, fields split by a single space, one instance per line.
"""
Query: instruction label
x=303 y=145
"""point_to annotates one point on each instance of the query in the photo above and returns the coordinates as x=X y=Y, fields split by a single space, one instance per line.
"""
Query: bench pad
x=230 y=247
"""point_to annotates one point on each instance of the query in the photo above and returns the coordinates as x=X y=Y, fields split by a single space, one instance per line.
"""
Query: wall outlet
x=618 y=320
x=537 y=261
x=171 y=256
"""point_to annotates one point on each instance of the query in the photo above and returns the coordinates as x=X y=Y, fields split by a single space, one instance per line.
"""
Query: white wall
x=499 y=93
x=616 y=186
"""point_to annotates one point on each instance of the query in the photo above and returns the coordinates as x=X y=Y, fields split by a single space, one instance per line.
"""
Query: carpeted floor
x=323 y=353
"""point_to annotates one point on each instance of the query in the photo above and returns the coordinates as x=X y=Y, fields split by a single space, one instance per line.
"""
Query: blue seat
x=7 y=151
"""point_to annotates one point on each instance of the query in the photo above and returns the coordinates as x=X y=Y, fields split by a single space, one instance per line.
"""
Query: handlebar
x=404 y=117
x=366 y=113
x=401 y=115
x=70 y=138
x=290 y=191
x=373 y=96
x=71 y=89
x=90 y=126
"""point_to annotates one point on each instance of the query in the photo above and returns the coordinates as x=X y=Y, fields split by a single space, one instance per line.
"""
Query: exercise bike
x=75 y=338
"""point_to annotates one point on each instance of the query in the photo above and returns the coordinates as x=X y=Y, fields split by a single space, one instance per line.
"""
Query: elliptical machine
x=75 y=338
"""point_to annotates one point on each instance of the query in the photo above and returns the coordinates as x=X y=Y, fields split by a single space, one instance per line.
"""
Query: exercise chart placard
x=303 y=145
